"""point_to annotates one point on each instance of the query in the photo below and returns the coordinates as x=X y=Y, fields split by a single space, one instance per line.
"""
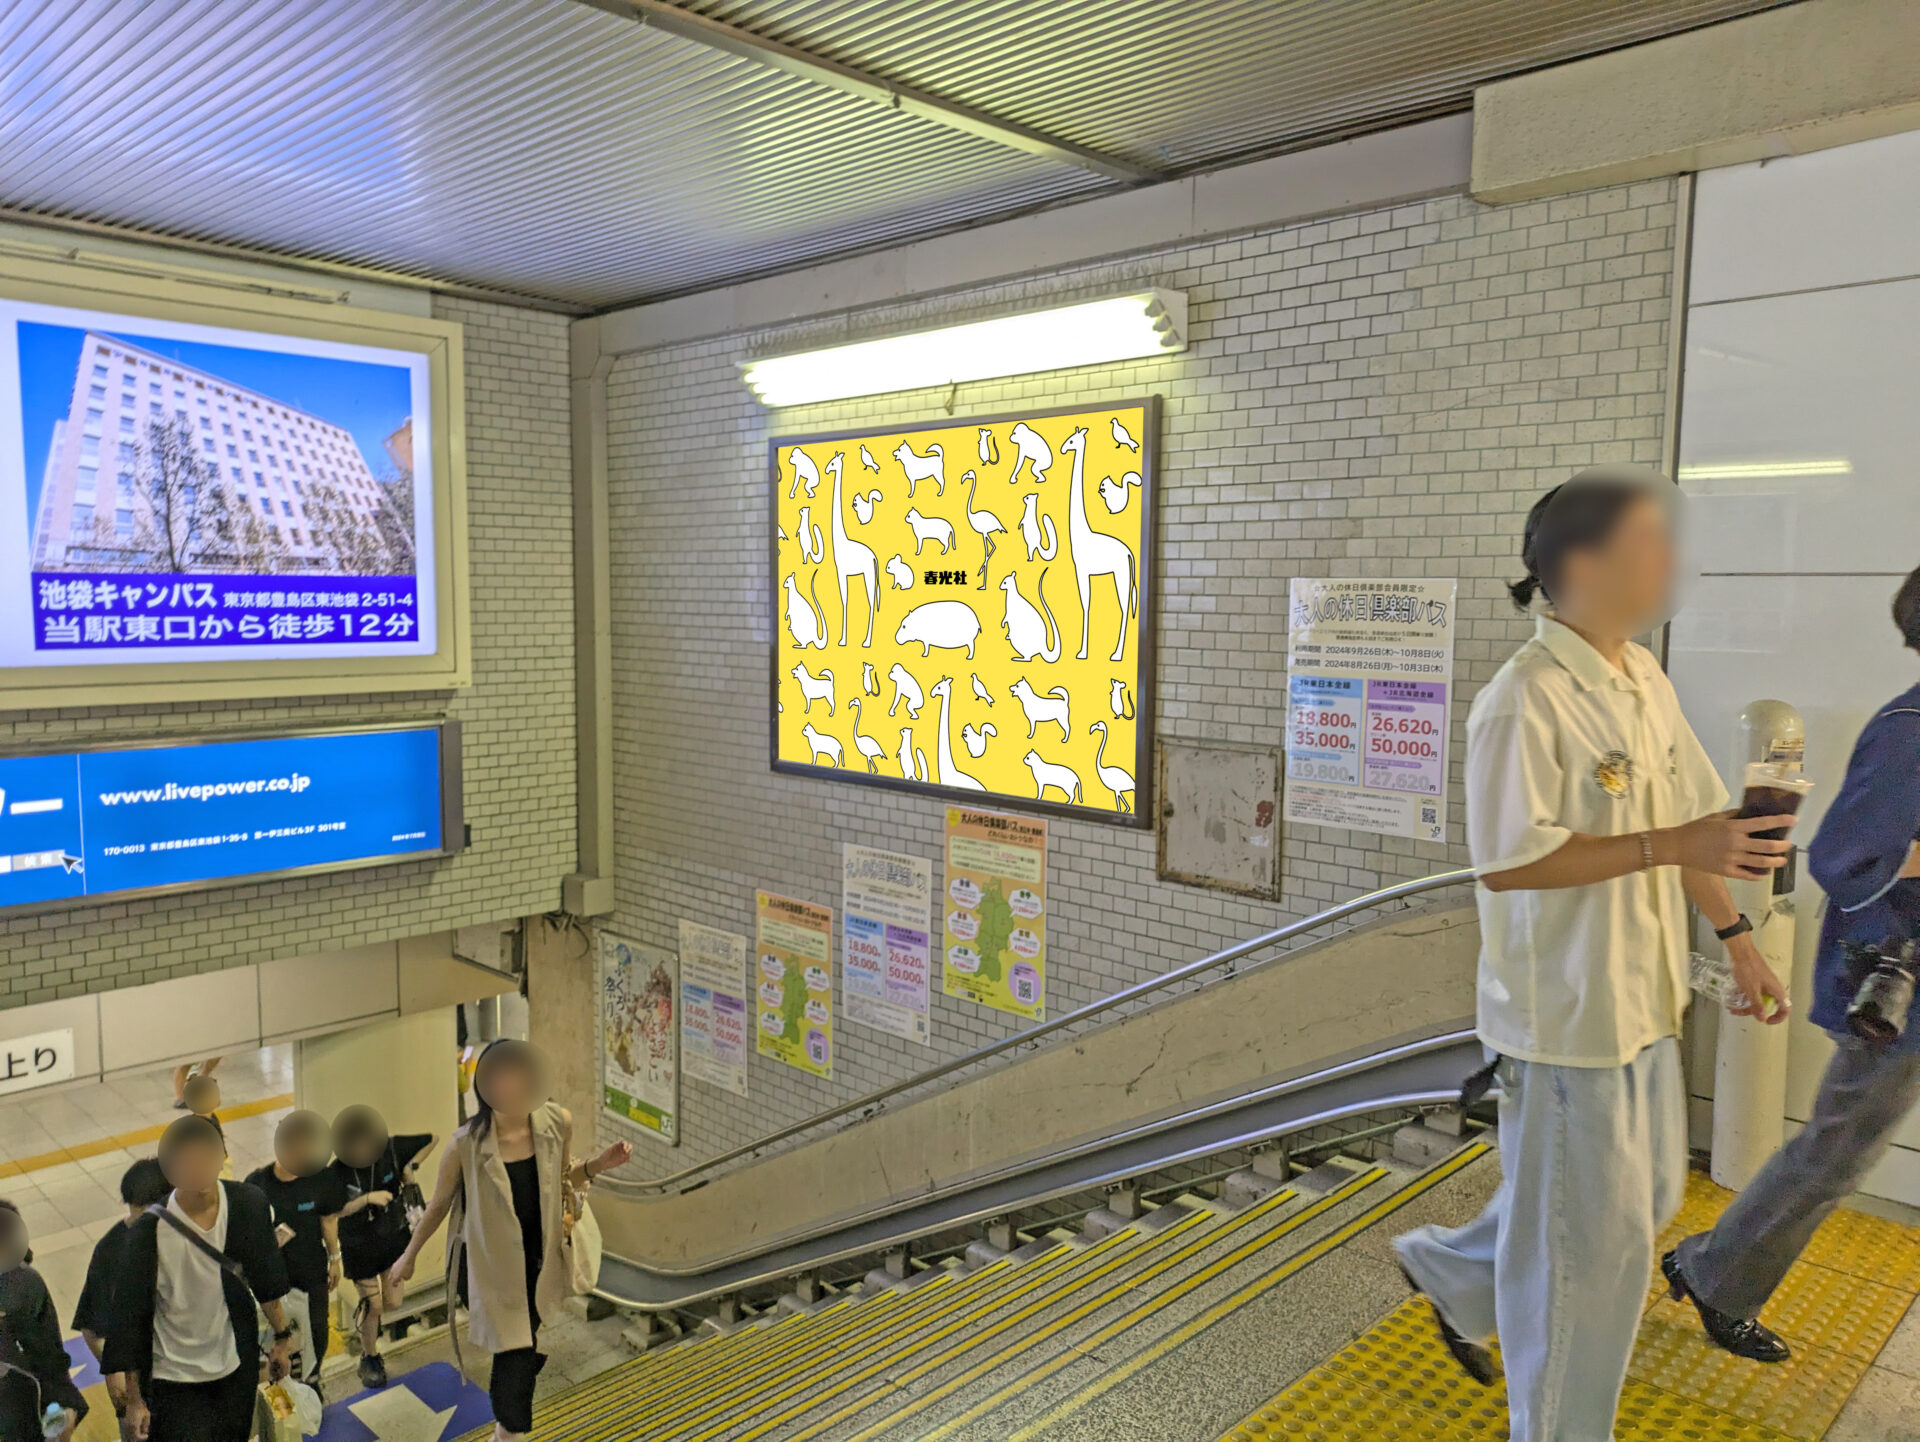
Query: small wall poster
x=640 y=1071
x=884 y=941
x=794 y=942
x=995 y=935
x=1369 y=677
x=713 y=1006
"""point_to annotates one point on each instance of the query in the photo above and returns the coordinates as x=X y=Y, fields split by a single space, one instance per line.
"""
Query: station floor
x=1847 y=1308
x=62 y=1152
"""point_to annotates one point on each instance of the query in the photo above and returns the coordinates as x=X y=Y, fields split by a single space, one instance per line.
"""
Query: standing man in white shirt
x=1593 y=817
x=183 y=1336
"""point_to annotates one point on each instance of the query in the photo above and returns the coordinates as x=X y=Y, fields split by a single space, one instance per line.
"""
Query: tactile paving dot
x=1800 y=1397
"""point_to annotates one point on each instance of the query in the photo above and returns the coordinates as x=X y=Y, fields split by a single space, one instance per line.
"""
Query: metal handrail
x=627 y=1187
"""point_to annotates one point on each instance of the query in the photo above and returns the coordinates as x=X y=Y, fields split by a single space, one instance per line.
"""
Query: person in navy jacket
x=1866 y=858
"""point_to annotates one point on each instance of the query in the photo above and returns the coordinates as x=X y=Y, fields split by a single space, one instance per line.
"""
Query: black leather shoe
x=1476 y=1361
x=1738 y=1335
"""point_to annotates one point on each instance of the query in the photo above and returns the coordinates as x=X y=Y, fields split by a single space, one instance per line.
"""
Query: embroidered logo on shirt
x=1613 y=774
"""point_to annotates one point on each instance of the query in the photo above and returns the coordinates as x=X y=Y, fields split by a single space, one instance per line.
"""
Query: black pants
x=510 y=1388
x=219 y=1411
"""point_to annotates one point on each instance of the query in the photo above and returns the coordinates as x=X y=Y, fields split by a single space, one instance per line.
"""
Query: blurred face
x=301 y=1143
x=13 y=1240
x=509 y=1081
x=1628 y=580
x=359 y=1136
x=193 y=1165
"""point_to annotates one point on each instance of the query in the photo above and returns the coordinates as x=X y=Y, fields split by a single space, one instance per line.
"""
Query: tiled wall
x=1380 y=394
x=518 y=715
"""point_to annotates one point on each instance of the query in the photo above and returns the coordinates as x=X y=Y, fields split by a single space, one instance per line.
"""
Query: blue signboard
x=134 y=819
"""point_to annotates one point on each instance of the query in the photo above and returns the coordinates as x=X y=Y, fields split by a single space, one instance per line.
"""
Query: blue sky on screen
x=369 y=400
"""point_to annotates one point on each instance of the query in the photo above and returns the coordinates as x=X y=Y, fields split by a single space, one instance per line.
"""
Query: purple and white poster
x=886 y=941
x=180 y=492
x=1369 y=679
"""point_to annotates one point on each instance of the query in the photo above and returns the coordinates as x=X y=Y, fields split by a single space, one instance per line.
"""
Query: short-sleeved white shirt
x=1559 y=742
x=192 y=1329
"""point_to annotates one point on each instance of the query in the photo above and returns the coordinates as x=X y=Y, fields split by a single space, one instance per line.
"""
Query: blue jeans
x=1593 y=1164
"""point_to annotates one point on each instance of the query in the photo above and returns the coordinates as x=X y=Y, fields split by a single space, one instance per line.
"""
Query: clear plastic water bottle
x=1712 y=977
x=53 y=1422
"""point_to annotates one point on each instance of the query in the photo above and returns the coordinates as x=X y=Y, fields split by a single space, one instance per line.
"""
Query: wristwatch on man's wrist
x=1739 y=928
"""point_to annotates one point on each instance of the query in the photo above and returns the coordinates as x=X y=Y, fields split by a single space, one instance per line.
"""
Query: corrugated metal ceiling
x=546 y=148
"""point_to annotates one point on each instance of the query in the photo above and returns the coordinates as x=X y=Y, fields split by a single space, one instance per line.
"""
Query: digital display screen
x=964 y=608
x=172 y=492
x=94 y=823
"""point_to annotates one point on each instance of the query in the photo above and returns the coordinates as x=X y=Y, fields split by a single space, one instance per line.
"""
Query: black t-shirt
x=300 y=1204
x=372 y=1239
x=30 y=1342
x=95 y=1307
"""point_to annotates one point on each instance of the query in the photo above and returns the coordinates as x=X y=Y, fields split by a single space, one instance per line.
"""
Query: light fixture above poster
x=1124 y=327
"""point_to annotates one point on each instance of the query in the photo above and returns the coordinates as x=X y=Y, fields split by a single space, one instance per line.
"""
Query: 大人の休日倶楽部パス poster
x=995 y=933
x=793 y=944
x=966 y=606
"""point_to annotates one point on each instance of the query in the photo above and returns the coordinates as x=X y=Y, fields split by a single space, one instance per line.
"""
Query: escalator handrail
x=677 y=1181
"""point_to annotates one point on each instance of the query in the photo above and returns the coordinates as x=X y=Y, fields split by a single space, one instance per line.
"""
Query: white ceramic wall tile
x=1823 y=377
x=1835 y=217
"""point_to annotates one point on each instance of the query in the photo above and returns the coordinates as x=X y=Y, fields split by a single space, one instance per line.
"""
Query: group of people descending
x=175 y=1291
x=1593 y=818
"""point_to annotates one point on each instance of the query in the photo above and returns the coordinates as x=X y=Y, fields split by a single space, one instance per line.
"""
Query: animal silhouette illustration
x=945 y=772
x=867 y=460
x=950 y=625
x=863 y=504
x=810 y=547
x=1043 y=707
x=1121 y=436
x=1114 y=493
x=814 y=688
x=1050 y=773
x=869 y=680
x=906 y=689
x=808 y=623
x=980 y=689
x=908 y=754
x=1120 y=701
x=1119 y=782
x=821 y=745
x=930 y=528
x=985 y=525
x=805 y=472
x=1028 y=629
x=780 y=532
x=1030 y=451
x=900 y=573
x=871 y=749
x=852 y=558
x=976 y=741
x=1031 y=524
x=1095 y=553
x=930 y=467
x=989 y=447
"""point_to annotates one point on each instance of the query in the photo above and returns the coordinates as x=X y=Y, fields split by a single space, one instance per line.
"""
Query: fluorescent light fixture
x=1766 y=470
x=1126 y=327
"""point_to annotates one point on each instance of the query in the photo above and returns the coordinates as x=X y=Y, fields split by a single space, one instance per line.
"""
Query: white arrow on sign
x=398 y=1415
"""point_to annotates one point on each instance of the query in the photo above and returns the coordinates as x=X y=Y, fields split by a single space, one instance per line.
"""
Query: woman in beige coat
x=509 y=1173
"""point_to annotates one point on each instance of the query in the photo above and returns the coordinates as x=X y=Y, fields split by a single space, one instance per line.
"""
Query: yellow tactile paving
x=138 y=1137
x=1838 y=1306
x=1800 y=1397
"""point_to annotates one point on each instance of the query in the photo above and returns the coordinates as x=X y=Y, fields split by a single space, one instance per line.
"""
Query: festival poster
x=885 y=943
x=640 y=1073
x=1369 y=681
x=995 y=934
x=794 y=940
x=713 y=1006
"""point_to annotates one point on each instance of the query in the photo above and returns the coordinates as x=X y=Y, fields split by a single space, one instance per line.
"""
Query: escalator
x=1167 y=1215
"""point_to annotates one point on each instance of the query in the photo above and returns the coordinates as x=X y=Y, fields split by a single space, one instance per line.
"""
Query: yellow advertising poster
x=795 y=945
x=959 y=606
x=995 y=943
